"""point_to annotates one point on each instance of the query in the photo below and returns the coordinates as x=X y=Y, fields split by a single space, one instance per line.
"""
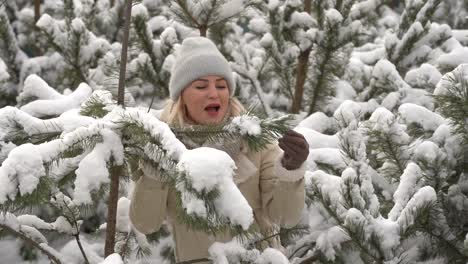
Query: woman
x=272 y=180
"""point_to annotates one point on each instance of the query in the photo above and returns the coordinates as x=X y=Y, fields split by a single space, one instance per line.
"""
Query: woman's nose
x=212 y=91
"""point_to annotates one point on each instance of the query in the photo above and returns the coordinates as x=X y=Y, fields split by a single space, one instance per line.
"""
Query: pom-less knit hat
x=198 y=57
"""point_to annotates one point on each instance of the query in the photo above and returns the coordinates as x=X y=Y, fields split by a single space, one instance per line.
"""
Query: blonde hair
x=174 y=113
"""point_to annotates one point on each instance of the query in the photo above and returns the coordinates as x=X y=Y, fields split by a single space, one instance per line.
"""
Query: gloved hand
x=296 y=149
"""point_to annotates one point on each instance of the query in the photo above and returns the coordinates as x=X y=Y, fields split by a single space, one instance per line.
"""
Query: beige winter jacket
x=275 y=194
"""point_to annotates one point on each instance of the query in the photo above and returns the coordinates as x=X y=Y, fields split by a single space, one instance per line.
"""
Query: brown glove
x=296 y=149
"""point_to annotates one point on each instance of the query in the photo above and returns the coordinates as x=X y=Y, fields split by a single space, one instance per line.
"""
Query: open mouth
x=213 y=108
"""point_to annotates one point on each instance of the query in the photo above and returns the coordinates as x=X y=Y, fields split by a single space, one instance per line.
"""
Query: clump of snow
x=114 y=258
x=139 y=10
x=428 y=151
x=427 y=119
x=455 y=57
x=423 y=76
x=389 y=233
x=272 y=256
x=122 y=218
x=3 y=71
x=92 y=171
x=20 y=171
x=247 y=125
x=407 y=187
x=423 y=196
x=258 y=25
x=55 y=107
x=318 y=140
x=333 y=16
x=330 y=240
x=206 y=169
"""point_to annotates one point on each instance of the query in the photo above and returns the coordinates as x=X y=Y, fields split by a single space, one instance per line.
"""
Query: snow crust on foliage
x=206 y=169
x=230 y=8
x=247 y=125
x=223 y=253
x=301 y=19
x=139 y=10
x=157 y=128
x=122 y=218
x=3 y=71
x=328 y=184
x=328 y=156
x=92 y=171
x=57 y=106
x=317 y=121
x=333 y=16
x=426 y=74
x=72 y=253
x=424 y=195
x=21 y=171
x=272 y=256
x=258 y=25
x=388 y=231
x=427 y=119
x=34 y=221
x=114 y=258
x=384 y=121
x=318 y=140
x=330 y=240
x=455 y=57
x=428 y=151
x=406 y=188
x=458 y=75
x=35 y=86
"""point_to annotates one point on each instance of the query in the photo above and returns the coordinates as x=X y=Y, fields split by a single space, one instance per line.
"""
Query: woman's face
x=206 y=100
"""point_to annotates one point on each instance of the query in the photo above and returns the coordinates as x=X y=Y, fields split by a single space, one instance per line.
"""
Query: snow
x=139 y=10
x=57 y=106
x=258 y=25
x=123 y=219
x=22 y=169
x=113 y=259
x=330 y=240
x=318 y=140
x=407 y=187
x=422 y=76
x=333 y=16
x=272 y=256
x=427 y=119
x=246 y=125
x=301 y=19
x=93 y=170
x=424 y=195
x=230 y=8
x=454 y=58
x=428 y=151
x=206 y=169
x=317 y=121
x=3 y=71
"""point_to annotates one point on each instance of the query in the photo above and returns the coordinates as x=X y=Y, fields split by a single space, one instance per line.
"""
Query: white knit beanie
x=198 y=57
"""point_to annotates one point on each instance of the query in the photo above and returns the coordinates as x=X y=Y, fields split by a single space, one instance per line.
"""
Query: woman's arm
x=149 y=203
x=282 y=190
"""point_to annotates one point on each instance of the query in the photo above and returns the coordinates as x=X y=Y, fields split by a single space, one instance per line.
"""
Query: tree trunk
x=203 y=29
x=37 y=10
x=116 y=171
x=301 y=76
x=112 y=210
x=302 y=67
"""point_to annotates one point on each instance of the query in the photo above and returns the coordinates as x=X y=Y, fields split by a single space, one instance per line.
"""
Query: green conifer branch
x=271 y=129
x=454 y=104
x=146 y=43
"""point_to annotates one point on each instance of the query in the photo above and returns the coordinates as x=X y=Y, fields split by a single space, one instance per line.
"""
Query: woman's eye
x=220 y=87
x=200 y=87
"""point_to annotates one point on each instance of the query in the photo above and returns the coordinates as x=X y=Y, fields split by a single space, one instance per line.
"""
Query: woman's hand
x=296 y=149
